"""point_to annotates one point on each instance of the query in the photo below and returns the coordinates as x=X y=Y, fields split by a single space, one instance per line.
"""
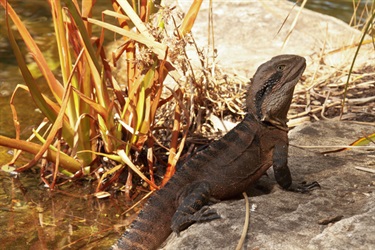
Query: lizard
x=228 y=166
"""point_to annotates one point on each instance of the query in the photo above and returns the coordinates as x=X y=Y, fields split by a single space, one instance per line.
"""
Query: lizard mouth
x=298 y=70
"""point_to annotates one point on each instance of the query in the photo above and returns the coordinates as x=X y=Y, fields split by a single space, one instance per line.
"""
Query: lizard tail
x=153 y=224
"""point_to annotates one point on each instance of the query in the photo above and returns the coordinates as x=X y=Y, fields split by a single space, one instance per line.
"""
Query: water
x=341 y=9
x=32 y=217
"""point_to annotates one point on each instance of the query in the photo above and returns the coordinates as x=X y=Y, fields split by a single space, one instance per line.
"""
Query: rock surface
x=249 y=32
x=286 y=220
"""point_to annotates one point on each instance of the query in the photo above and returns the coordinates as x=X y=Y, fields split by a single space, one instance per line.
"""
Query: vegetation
x=95 y=125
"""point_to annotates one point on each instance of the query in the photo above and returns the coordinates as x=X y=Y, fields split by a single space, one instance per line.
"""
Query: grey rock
x=356 y=232
x=247 y=33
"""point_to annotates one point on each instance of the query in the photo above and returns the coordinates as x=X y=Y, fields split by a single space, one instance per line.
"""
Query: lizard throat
x=264 y=91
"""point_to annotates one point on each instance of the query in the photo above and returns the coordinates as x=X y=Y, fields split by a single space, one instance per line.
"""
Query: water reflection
x=34 y=218
x=339 y=8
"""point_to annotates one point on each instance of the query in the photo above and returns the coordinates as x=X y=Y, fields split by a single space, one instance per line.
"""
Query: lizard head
x=271 y=89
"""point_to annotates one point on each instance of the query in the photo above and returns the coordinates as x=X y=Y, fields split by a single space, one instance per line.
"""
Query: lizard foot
x=304 y=187
x=202 y=215
x=205 y=214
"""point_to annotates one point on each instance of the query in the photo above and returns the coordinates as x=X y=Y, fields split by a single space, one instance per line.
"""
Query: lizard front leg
x=193 y=207
x=282 y=172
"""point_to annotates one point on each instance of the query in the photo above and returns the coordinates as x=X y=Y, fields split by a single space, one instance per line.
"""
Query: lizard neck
x=252 y=118
x=271 y=90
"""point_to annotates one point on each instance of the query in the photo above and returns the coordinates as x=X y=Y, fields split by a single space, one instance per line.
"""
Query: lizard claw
x=205 y=214
x=202 y=215
x=304 y=187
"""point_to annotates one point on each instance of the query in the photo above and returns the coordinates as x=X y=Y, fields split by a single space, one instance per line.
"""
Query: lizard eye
x=280 y=67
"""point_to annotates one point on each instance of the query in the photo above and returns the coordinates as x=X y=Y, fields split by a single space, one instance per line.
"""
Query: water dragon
x=228 y=166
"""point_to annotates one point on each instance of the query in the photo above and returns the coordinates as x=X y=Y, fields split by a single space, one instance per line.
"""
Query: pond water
x=31 y=217
x=34 y=218
x=341 y=9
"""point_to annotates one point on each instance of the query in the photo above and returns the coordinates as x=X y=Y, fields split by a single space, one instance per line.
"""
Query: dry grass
x=322 y=98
